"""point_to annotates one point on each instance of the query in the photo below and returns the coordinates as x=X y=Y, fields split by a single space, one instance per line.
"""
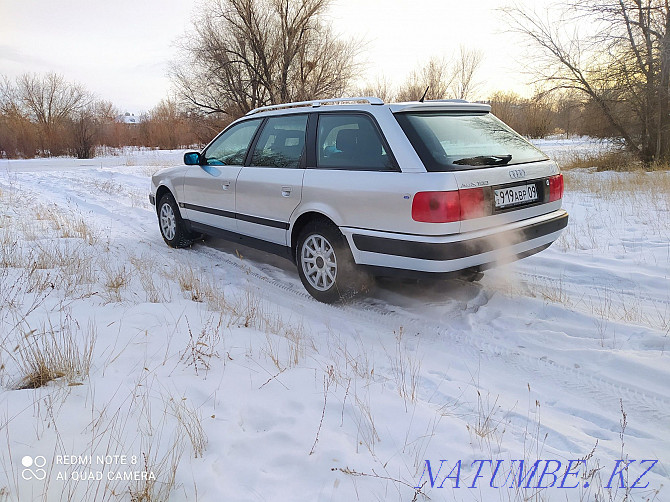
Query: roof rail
x=452 y=100
x=318 y=102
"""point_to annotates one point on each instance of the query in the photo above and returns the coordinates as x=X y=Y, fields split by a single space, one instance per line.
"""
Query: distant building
x=128 y=118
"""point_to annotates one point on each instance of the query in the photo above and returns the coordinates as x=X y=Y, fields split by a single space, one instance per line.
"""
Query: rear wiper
x=484 y=160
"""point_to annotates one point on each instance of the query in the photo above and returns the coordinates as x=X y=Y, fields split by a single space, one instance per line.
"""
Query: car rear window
x=453 y=141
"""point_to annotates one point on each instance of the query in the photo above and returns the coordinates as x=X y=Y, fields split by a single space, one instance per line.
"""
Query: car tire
x=171 y=224
x=325 y=264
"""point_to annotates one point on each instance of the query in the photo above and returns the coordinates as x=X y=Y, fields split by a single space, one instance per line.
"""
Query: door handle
x=286 y=191
x=225 y=185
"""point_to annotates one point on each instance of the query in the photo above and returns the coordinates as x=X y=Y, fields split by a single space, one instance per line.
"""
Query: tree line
x=48 y=116
x=610 y=81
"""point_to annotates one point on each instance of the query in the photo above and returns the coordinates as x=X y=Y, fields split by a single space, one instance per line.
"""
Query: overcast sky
x=120 y=49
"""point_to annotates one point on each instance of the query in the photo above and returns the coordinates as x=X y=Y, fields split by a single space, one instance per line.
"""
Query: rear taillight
x=472 y=203
x=446 y=207
x=436 y=207
x=555 y=187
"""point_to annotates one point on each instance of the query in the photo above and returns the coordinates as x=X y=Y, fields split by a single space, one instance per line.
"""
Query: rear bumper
x=481 y=249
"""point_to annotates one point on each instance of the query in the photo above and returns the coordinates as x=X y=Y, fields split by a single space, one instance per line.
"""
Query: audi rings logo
x=517 y=173
x=37 y=473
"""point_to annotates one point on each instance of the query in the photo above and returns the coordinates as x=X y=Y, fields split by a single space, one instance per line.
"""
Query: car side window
x=350 y=141
x=281 y=143
x=231 y=147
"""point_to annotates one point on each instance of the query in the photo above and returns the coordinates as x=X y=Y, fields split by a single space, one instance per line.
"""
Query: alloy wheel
x=319 y=263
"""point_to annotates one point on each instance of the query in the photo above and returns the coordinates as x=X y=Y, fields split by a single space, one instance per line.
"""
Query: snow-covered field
x=209 y=374
x=563 y=150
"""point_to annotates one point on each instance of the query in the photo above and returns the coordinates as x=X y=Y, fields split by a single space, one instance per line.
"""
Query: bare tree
x=437 y=76
x=466 y=66
x=533 y=117
x=50 y=101
x=50 y=98
x=622 y=65
x=443 y=78
x=86 y=127
x=10 y=103
x=250 y=53
x=18 y=137
x=380 y=87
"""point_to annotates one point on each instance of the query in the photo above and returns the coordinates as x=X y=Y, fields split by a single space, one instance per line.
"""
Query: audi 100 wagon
x=353 y=187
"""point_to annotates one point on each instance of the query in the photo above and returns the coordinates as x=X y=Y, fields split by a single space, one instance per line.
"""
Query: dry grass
x=68 y=224
x=487 y=424
x=613 y=160
x=288 y=349
x=199 y=288
x=202 y=346
x=108 y=186
x=162 y=443
x=54 y=247
x=365 y=422
x=152 y=280
x=638 y=182
x=190 y=423
x=78 y=228
x=405 y=369
x=286 y=342
x=116 y=278
x=550 y=290
x=53 y=352
x=17 y=303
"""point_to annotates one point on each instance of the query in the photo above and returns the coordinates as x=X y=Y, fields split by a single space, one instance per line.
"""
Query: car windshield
x=451 y=141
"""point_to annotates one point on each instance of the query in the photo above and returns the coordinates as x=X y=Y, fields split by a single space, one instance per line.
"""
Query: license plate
x=513 y=196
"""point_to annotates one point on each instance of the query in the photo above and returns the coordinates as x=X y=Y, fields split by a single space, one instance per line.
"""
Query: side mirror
x=192 y=158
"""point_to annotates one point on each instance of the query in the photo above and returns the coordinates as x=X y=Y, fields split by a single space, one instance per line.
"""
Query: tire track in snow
x=656 y=407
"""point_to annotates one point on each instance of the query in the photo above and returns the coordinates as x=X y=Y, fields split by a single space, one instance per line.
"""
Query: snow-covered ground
x=211 y=370
x=563 y=150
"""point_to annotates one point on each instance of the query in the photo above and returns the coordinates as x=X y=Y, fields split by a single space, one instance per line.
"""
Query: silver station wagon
x=352 y=188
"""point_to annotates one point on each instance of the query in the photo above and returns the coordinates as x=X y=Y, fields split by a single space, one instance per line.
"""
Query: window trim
x=313 y=144
x=257 y=137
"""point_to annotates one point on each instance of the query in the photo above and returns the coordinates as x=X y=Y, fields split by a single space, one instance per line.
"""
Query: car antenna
x=424 y=94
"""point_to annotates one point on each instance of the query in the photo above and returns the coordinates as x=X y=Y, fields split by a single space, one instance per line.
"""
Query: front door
x=209 y=189
x=270 y=188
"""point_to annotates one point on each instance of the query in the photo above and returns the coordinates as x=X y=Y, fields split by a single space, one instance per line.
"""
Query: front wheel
x=171 y=224
x=325 y=265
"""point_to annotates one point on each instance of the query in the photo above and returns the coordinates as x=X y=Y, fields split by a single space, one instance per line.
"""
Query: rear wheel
x=171 y=223
x=325 y=264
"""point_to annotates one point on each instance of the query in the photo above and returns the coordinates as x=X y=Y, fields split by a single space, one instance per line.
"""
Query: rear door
x=209 y=189
x=353 y=177
x=269 y=189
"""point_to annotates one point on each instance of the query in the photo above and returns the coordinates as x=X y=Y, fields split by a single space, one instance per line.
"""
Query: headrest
x=346 y=139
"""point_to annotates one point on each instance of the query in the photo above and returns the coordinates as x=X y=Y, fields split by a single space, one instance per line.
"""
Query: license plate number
x=513 y=196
